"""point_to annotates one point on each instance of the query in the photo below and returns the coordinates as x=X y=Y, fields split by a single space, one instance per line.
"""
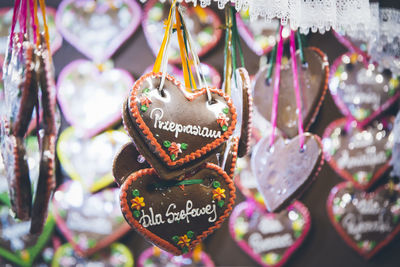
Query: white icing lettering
x=368 y=159
x=157 y=114
x=259 y=245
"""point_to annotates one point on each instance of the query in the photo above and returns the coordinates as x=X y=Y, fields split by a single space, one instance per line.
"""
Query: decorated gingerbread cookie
x=203 y=23
x=269 y=238
x=285 y=170
x=88 y=222
x=17 y=245
x=362 y=92
x=97 y=86
x=116 y=255
x=155 y=257
x=366 y=221
x=80 y=23
x=177 y=215
x=165 y=129
x=359 y=156
x=313 y=81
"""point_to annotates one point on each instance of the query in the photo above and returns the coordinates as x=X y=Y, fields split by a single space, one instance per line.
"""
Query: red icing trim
x=344 y=235
x=155 y=239
x=137 y=118
x=344 y=173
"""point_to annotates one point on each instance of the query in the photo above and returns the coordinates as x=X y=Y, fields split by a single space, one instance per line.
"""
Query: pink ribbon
x=296 y=88
x=34 y=26
x=22 y=18
x=277 y=79
x=352 y=47
x=14 y=20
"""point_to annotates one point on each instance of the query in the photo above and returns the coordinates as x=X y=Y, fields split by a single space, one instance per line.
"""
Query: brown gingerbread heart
x=175 y=215
x=284 y=171
x=313 y=82
x=247 y=109
x=129 y=160
x=174 y=129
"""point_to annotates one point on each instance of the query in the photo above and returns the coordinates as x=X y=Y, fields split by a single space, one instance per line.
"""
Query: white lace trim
x=314 y=15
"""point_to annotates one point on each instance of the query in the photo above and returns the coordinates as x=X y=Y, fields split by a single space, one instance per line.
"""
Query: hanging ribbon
x=161 y=52
x=36 y=20
x=45 y=27
x=33 y=22
x=297 y=88
x=353 y=48
x=22 y=19
x=14 y=20
x=275 y=99
x=272 y=61
x=228 y=51
x=187 y=72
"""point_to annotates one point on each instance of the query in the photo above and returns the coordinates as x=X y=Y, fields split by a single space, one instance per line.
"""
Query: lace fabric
x=307 y=15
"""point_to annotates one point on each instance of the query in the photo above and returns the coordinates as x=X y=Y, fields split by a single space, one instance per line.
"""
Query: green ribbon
x=166 y=184
x=272 y=59
x=300 y=44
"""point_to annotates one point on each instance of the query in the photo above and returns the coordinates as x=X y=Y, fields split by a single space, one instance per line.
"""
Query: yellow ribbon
x=157 y=64
x=46 y=28
x=187 y=71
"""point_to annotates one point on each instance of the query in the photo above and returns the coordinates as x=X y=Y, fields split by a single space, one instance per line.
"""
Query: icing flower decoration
x=184 y=241
x=145 y=101
x=222 y=120
x=366 y=245
x=174 y=149
x=218 y=193
x=272 y=258
x=137 y=203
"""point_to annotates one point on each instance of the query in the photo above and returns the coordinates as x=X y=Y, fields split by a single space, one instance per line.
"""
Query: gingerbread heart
x=284 y=171
x=165 y=129
x=88 y=160
x=259 y=35
x=129 y=160
x=359 y=156
x=80 y=22
x=203 y=23
x=99 y=86
x=361 y=92
x=246 y=181
x=313 y=82
x=175 y=215
x=243 y=101
x=6 y=21
x=366 y=221
x=154 y=257
x=88 y=222
x=16 y=244
x=269 y=238
x=115 y=255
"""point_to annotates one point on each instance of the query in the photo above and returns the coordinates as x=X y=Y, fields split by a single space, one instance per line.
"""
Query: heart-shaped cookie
x=129 y=160
x=16 y=244
x=175 y=215
x=366 y=221
x=155 y=257
x=6 y=21
x=246 y=181
x=88 y=222
x=361 y=92
x=84 y=90
x=359 y=156
x=80 y=22
x=259 y=35
x=243 y=101
x=115 y=255
x=269 y=238
x=173 y=128
x=88 y=160
x=313 y=81
x=203 y=23
x=284 y=171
